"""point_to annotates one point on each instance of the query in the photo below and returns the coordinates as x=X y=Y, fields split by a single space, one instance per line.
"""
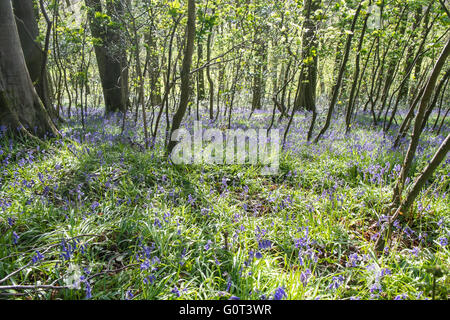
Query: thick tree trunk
x=307 y=82
x=20 y=105
x=109 y=62
x=28 y=33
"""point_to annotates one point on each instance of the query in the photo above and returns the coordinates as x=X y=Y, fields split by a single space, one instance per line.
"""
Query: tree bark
x=20 y=105
x=210 y=80
x=351 y=100
x=153 y=69
x=185 y=73
x=307 y=82
x=337 y=86
x=28 y=29
x=109 y=63
x=417 y=131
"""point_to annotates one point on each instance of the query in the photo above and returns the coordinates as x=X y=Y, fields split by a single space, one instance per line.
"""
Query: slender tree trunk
x=337 y=86
x=436 y=97
x=185 y=73
x=351 y=100
x=258 y=81
x=418 y=185
x=153 y=68
x=440 y=105
x=200 y=73
x=410 y=55
x=210 y=80
x=417 y=130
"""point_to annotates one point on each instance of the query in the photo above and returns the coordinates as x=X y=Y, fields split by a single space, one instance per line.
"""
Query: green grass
x=198 y=235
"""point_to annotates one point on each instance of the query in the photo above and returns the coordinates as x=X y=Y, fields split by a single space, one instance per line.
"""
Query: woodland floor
x=95 y=213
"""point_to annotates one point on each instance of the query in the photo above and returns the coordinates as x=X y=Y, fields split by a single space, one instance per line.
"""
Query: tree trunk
x=410 y=55
x=185 y=73
x=351 y=100
x=417 y=131
x=109 y=62
x=153 y=68
x=306 y=97
x=200 y=73
x=419 y=183
x=337 y=86
x=258 y=81
x=28 y=33
x=210 y=80
x=20 y=105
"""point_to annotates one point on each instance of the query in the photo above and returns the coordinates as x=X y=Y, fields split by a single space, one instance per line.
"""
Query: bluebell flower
x=129 y=295
x=208 y=245
x=15 y=238
x=183 y=254
x=88 y=288
x=149 y=279
x=229 y=283
x=385 y=272
x=145 y=265
x=353 y=259
x=443 y=241
x=37 y=257
x=95 y=205
x=176 y=291
x=11 y=221
x=279 y=294
x=304 y=277
x=264 y=244
x=376 y=288
x=336 y=282
x=414 y=251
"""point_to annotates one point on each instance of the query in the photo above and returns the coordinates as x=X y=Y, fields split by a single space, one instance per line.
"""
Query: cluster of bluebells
x=353 y=260
x=336 y=282
x=177 y=292
x=87 y=284
x=37 y=257
x=376 y=287
x=305 y=246
x=305 y=276
x=69 y=248
x=280 y=293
